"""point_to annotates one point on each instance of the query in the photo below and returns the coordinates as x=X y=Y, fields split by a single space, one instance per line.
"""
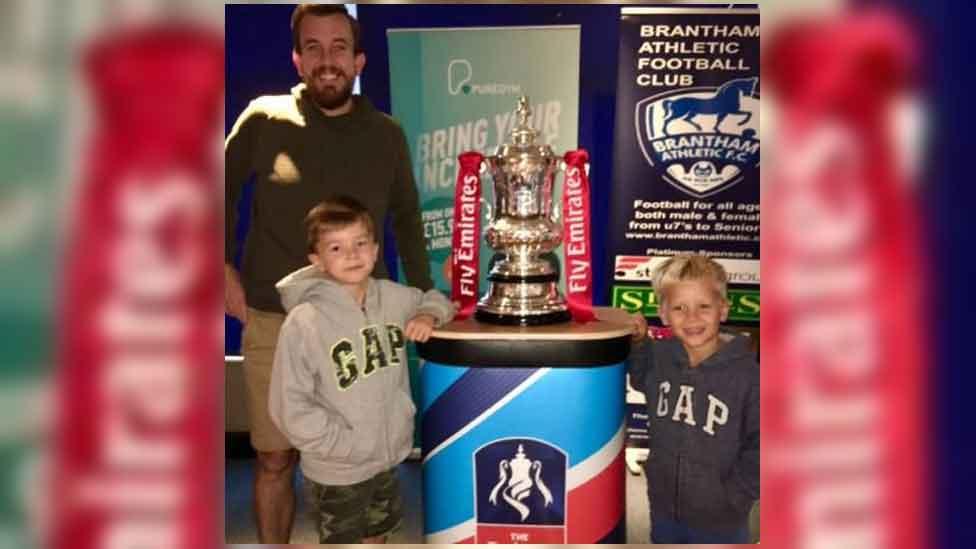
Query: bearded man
x=318 y=141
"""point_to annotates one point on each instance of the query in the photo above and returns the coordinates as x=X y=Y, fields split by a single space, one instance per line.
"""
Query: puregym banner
x=456 y=90
x=686 y=149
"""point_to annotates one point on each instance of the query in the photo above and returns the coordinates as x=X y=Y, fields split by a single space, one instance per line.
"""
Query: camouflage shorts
x=347 y=514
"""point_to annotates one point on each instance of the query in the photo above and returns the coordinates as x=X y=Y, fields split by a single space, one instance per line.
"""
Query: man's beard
x=329 y=97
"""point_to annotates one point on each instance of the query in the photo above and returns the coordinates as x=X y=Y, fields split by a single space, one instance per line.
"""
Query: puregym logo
x=459 y=75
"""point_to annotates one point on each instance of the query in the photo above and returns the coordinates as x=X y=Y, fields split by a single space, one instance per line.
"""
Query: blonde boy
x=340 y=390
x=702 y=390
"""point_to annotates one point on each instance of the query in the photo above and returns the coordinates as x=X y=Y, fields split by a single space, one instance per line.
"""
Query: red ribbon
x=842 y=347
x=139 y=346
x=577 y=250
x=466 y=240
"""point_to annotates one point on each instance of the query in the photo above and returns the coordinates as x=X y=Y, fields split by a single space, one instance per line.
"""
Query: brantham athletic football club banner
x=686 y=150
x=456 y=90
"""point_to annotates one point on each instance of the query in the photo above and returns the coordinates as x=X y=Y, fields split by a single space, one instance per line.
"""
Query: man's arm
x=238 y=152
x=407 y=224
x=235 y=302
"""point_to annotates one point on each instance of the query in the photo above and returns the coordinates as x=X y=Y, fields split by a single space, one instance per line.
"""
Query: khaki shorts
x=348 y=514
x=259 y=343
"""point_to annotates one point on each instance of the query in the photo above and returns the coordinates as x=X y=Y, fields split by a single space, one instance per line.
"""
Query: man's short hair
x=333 y=214
x=688 y=267
x=322 y=10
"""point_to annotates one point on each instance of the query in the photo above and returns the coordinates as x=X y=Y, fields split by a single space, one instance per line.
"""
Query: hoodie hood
x=734 y=348
x=357 y=120
x=310 y=285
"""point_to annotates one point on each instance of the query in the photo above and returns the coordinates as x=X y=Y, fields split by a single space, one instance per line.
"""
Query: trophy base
x=555 y=317
x=531 y=300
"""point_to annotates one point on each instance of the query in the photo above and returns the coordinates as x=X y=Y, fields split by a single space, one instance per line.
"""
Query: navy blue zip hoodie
x=703 y=467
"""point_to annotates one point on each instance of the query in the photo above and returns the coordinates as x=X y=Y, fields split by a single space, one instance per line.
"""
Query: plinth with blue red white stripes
x=524 y=452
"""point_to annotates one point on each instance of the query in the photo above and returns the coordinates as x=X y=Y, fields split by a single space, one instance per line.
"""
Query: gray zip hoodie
x=340 y=390
x=703 y=467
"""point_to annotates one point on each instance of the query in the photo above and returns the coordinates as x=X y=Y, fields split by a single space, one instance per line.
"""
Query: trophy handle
x=488 y=210
x=483 y=169
x=554 y=212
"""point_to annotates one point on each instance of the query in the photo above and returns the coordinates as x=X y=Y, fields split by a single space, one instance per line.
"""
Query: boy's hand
x=636 y=320
x=419 y=327
x=640 y=327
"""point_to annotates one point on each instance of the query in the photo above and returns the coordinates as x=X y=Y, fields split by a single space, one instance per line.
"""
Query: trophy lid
x=523 y=136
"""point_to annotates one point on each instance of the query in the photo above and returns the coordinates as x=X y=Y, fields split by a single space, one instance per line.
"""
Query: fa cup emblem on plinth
x=515 y=482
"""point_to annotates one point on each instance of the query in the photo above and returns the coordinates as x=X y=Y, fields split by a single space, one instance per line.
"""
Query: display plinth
x=523 y=433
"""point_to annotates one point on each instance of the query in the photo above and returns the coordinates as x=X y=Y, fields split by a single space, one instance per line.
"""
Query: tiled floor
x=239 y=522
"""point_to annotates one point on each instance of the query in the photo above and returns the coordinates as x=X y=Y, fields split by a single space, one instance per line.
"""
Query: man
x=318 y=141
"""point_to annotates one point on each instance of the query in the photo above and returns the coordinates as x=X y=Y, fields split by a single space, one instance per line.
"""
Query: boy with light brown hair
x=340 y=389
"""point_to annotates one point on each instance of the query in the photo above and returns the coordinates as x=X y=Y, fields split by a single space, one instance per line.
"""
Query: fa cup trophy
x=524 y=226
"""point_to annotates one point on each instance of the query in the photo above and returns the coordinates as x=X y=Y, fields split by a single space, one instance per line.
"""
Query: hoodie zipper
x=385 y=438
x=677 y=489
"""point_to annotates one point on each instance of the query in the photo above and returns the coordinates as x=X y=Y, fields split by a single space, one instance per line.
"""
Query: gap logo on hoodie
x=520 y=492
x=679 y=403
x=343 y=354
